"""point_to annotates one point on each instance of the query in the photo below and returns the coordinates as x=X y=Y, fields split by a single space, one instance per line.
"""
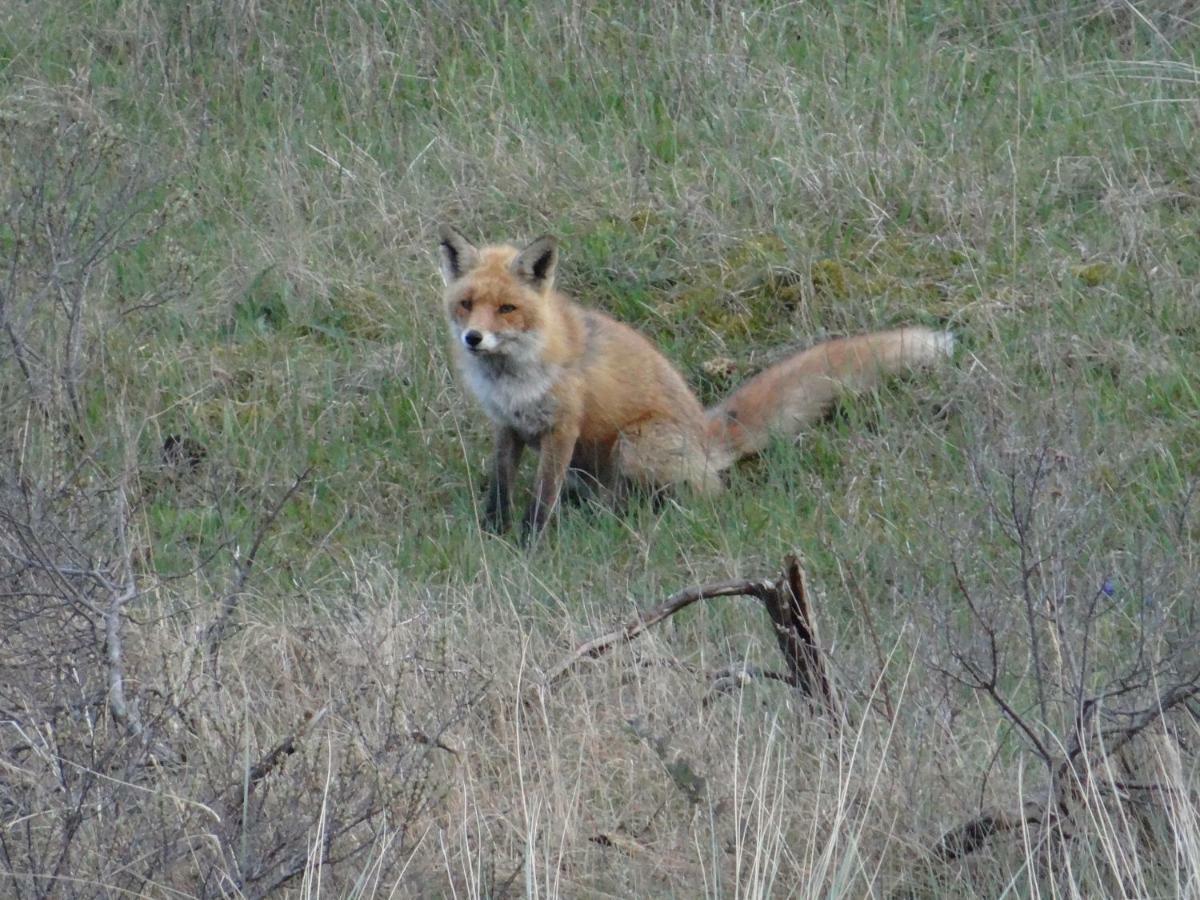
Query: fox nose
x=472 y=338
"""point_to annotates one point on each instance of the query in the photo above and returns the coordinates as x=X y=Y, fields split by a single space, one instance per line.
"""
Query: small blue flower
x=1108 y=588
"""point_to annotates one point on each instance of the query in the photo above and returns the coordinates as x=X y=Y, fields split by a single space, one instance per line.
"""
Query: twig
x=990 y=684
x=970 y=836
x=274 y=757
x=216 y=631
x=868 y=618
x=634 y=627
x=1169 y=698
x=284 y=748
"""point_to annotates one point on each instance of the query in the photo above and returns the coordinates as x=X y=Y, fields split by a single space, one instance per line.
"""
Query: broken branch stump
x=786 y=602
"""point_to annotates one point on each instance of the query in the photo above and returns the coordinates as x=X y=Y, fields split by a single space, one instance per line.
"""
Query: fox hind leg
x=659 y=455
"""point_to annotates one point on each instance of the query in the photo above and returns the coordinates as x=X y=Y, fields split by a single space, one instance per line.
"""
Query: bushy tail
x=791 y=394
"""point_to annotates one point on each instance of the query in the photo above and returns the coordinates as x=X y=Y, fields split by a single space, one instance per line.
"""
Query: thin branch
x=638 y=624
x=989 y=684
x=274 y=757
x=854 y=585
x=970 y=836
x=786 y=602
x=217 y=630
x=1168 y=699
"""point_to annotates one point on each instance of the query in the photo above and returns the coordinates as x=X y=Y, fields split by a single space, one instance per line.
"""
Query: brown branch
x=787 y=605
x=971 y=836
x=638 y=624
x=854 y=586
x=1169 y=698
x=274 y=758
x=989 y=684
x=786 y=600
x=284 y=748
x=1122 y=788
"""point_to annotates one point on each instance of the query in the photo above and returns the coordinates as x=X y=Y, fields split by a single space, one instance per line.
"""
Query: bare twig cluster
x=144 y=746
x=1082 y=724
x=72 y=196
x=1034 y=652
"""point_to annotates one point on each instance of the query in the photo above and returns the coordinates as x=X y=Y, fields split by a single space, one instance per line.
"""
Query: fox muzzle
x=479 y=341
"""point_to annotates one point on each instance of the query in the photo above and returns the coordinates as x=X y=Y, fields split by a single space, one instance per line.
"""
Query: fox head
x=496 y=297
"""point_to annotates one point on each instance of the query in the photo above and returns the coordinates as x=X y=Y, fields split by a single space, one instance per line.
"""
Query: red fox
x=593 y=396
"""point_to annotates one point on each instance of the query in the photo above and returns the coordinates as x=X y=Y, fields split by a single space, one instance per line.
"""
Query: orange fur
x=592 y=395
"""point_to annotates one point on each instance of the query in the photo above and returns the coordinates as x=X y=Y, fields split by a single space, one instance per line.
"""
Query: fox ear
x=535 y=264
x=458 y=255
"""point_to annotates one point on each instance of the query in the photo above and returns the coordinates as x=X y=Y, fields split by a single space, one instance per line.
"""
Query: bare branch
x=217 y=630
x=970 y=836
x=787 y=605
x=274 y=757
x=638 y=624
x=786 y=602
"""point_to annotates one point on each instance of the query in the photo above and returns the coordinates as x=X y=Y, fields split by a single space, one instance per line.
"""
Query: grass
x=735 y=181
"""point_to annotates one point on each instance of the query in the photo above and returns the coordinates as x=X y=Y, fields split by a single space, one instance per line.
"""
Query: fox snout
x=478 y=341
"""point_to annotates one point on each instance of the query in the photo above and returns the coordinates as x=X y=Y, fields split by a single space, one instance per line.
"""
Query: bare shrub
x=73 y=194
x=148 y=740
x=1084 y=648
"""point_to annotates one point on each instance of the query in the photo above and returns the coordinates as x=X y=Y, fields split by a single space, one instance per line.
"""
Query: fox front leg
x=555 y=450
x=498 y=511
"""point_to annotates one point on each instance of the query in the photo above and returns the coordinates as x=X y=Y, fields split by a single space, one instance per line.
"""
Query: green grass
x=735 y=181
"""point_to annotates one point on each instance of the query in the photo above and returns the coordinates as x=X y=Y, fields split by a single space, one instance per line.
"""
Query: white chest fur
x=514 y=393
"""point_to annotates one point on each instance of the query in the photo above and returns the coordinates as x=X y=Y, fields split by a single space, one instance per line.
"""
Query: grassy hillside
x=252 y=638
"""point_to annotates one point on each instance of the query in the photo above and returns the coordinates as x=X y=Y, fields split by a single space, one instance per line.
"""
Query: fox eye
x=466 y=304
x=506 y=308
